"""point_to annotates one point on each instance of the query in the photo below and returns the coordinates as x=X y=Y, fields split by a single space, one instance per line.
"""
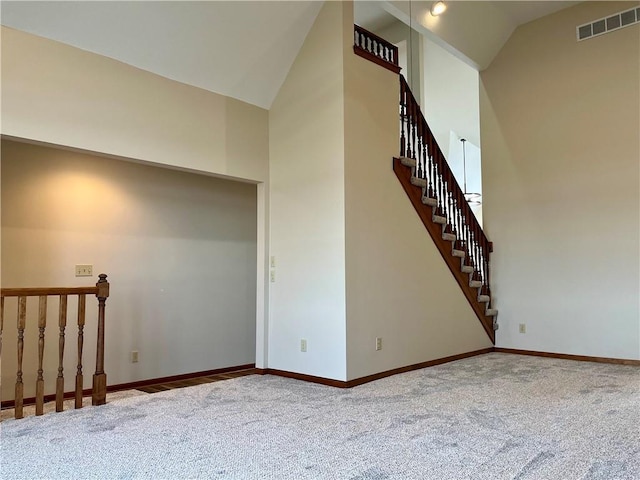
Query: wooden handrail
x=101 y=291
x=35 y=292
x=418 y=142
x=376 y=49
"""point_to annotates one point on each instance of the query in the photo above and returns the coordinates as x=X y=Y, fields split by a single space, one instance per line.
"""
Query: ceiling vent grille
x=608 y=24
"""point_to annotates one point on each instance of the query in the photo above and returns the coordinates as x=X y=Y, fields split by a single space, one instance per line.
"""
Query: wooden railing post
x=22 y=315
x=62 y=324
x=99 y=391
x=42 y=323
x=79 y=377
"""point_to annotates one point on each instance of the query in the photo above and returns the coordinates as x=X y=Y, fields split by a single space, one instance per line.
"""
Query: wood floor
x=161 y=387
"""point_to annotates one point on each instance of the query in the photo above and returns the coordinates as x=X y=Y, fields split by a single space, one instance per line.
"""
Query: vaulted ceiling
x=244 y=49
x=474 y=31
x=241 y=49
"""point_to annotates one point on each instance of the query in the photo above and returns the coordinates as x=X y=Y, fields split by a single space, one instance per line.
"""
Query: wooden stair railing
x=99 y=390
x=434 y=192
x=431 y=185
x=370 y=46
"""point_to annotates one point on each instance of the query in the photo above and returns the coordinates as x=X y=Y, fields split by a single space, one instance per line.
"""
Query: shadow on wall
x=179 y=249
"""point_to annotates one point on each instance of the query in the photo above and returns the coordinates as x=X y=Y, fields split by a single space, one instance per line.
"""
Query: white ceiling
x=244 y=49
x=241 y=49
x=475 y=31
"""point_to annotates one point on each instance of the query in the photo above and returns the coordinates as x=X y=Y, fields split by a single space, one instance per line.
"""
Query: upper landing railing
x=370 y=46
x=99 y=390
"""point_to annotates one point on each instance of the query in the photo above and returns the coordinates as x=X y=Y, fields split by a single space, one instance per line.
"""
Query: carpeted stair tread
x=458 y=253
x=439 y=219
x=475 y=283
x=449 y=237
x=466 y=268
x=408 y=162
x=418 y=182
x=432 y=202
x=484 y=298
x=491 y=312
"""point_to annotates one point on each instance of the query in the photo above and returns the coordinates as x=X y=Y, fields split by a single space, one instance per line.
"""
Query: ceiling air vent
x=608 y=24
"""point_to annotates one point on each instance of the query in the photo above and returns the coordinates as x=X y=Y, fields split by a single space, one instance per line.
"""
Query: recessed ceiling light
x=437 y=8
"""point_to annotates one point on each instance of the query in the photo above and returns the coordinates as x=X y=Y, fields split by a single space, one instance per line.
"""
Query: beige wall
x=306 y=140
x=62 y=95
x=561 y=155
x=179 y=249
x=57 y=94
x=398 y=286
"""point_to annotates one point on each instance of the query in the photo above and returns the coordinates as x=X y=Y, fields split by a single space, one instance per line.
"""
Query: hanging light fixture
x=473 y=199
x=438 y=8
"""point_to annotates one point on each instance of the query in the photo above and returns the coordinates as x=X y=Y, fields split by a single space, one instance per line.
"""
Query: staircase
x=435 y=194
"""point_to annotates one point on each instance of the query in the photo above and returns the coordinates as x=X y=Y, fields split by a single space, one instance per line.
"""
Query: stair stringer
x=445 y=247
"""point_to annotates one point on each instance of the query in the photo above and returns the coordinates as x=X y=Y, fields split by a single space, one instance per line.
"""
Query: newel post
x=99 y=391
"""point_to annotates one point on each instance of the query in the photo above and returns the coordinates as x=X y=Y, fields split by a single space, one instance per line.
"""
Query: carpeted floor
x=495 y=416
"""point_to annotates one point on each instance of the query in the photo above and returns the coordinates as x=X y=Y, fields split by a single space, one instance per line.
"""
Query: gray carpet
x=496 y=416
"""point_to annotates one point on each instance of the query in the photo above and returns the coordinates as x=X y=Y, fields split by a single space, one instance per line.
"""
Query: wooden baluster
x=436 y=171
x=99 y=393
x=1 y=322
x=409 y=124
x=416 y=113
x=22 y=315
x=476 y=244
x=447 y=206
x=488 y=256
x=452 y=202
x=79 y=379
x=459 y=200
x=432 y=179
x=425 y=157
x=485 y=259
x=480 y=253
x=448 y=196
x=62 y=323
x=419 y=171
x=441 y=193
x=462 y=228
x=42 y=323
x=402 y=117
x=454 y=208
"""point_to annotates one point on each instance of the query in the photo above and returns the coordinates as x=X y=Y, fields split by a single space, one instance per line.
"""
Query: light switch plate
x=84 y=270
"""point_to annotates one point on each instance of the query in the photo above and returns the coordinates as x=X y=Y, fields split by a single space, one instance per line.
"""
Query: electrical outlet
x=84 y=270
x=134 y=356
x=379 y=343
x=303 y=345
x=522 y=328
x=273 y=276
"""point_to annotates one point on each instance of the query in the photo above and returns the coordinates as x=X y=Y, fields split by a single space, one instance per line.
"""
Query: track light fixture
x=438 y=8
